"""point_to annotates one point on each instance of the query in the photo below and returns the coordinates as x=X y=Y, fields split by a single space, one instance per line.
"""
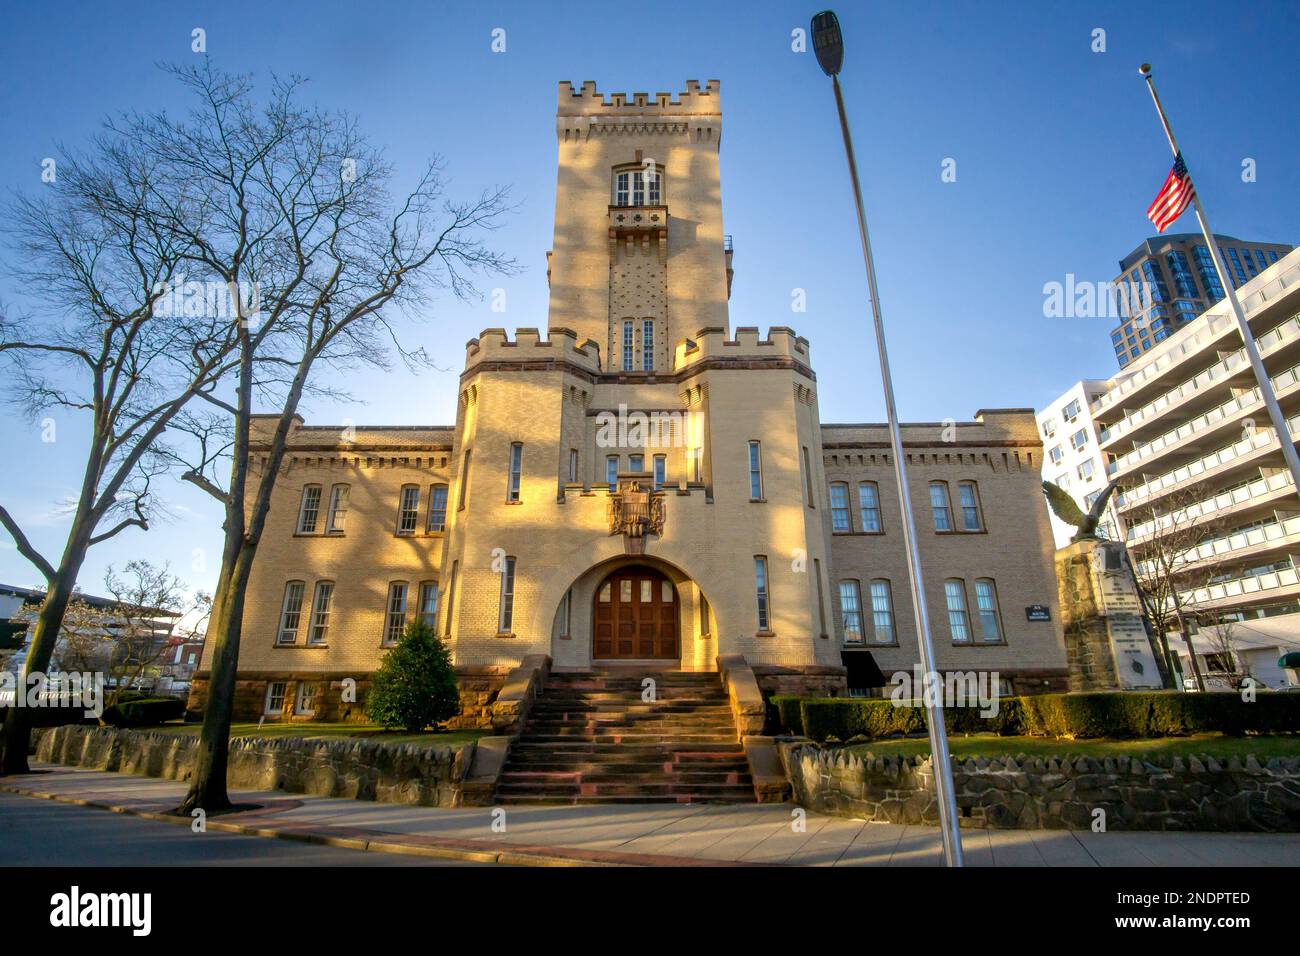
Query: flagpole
x=1275 y=415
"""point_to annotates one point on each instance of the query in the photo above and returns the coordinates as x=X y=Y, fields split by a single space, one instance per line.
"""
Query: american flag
x=1174 y=196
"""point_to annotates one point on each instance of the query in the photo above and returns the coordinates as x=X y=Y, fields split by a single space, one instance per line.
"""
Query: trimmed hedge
x=1103 y=714
x=144 y=711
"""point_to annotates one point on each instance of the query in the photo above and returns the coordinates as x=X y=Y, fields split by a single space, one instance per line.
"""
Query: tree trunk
x=16 y=738
x=1191 y=653
x=208 y=787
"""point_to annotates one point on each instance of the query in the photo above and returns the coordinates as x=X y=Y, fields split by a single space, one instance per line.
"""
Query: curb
x=377 y=841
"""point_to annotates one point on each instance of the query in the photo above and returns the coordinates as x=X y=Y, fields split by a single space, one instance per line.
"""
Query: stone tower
x=639 y=259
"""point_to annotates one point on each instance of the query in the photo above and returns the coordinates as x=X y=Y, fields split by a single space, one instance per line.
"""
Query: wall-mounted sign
x=1038 y=612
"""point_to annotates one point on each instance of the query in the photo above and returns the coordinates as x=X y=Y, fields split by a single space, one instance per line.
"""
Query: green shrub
x=415 y=685
x=1100 y=714
x=144 y=711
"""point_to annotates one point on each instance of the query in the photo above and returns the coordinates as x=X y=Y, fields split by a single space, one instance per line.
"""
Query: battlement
x=781 y=342
x=560 y=345
x=587 y=101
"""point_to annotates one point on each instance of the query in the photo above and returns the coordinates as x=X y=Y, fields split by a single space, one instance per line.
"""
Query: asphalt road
x=37 y=832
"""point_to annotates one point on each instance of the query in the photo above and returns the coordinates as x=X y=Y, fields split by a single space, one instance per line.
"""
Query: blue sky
x=1057 y=149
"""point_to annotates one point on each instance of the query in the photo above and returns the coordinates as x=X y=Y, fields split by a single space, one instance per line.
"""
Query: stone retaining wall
x=1199 y=793
x=356 y=769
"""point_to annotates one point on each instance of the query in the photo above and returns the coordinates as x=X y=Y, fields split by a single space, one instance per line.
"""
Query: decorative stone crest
x=634 y=512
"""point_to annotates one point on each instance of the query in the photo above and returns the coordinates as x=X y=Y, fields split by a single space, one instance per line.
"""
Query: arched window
x=408 y=509
x=290 y=613
x=969 y=496
x=338 y=513
x=851 y=611
x=954 y=592
x=309 y=511
x=986 y=602
x=841 y=518
x=869 y=505
x=638 y=187
x=882 y=612
x=939 y=506
x=320 y=612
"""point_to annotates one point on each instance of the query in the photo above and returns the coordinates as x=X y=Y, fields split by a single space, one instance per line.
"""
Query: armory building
x=644 y=485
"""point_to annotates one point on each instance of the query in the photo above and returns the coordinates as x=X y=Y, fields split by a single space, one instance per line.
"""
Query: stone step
x=599 y=753
x=550 y=799
x=636 y=792
x=632 y=738
x=728 y=778
x=656 y=722
x=585 y=767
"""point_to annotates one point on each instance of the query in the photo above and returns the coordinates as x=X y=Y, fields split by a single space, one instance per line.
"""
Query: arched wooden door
x=636 y=617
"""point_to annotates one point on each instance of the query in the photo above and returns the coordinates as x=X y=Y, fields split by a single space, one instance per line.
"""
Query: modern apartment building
x=1168 y=281
x=1072 y=457
x=1184 y=430
x=644 y=486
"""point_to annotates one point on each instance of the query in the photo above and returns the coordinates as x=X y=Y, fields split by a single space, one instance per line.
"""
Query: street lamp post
x=828 y=44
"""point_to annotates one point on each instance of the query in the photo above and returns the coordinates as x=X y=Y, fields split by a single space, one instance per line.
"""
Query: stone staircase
x=590 y=738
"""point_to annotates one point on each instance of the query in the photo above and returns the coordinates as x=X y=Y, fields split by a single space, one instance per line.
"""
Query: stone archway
x=636 y=615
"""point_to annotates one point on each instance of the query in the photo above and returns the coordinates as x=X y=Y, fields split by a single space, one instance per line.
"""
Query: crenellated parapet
x=746 y=343
x=585 y=112
x=561 y=346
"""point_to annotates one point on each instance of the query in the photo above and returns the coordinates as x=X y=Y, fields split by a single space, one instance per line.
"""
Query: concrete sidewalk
x=653 y=835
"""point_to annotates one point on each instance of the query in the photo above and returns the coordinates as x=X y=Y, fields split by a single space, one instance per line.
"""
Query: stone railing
x=356 y=769
x=1072 y=793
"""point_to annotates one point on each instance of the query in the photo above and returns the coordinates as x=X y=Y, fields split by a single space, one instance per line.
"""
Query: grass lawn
x=312 y=730
x=989 y=745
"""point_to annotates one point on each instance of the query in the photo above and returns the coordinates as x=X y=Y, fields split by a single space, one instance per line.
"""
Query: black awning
x=864 y=672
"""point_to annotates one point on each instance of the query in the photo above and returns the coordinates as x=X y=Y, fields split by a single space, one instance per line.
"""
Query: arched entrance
x=636 y=616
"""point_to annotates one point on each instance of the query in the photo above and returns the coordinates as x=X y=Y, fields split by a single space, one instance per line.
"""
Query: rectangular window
x=275 y=694
x=429 y=604
x=851 y=611
x=755 y=471
x=1079 y=439
x=697 y=465
x=506 y=616
x=395 y=618
x=939 y=506
x=970 y=506
x=882 y=612
x=869 y=505
x=310 y=509
x=621 y=182
x=573 y=466
x=1056 y=454
x=821 y=598
x=408 y=510
x=705 y=626
x=986 y=601
x=760 y=587
x=841 y=519
x=648 y=345
x=290 y=613
x=565 y=615
x=661 y=471
x=463 y=494
x=611 y=472
x=954 y=592
x=516 y=471
x=320 y=612
x=306 y=703
x=451 y=595
x=638 y=189
x=808 y=479
x=338 y=515
x=1071 y=411
x=655 y=182
x=628 y=345
x=438 y=508
x=636 y=463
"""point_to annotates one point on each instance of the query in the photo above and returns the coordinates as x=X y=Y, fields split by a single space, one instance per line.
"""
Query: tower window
x=648 y=345
x=638 y=188
x=628 y=349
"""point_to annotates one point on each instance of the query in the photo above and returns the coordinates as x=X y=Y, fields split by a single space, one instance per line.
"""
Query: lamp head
x=828 y=43
x=1145 y=69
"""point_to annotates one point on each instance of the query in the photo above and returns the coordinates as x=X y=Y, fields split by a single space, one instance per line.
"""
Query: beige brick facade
x=638 y=361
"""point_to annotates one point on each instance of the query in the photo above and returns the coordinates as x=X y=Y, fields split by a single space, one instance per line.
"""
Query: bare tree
x=1168 y=568
x=125 y=641
x=292 y=202
x=91 y=251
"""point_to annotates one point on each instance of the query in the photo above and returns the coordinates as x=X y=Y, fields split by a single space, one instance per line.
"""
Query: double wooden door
x=636 y=617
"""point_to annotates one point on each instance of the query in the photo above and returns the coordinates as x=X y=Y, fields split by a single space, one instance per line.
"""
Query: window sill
x=864 y=534
x=979 y=643
x=758 y=501
x=505 y=634
x=514 y=502
x=765 y=633
x=299 y=647
x=863 y=646
x=954 y=532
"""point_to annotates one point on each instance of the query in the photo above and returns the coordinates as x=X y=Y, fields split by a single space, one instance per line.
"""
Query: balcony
x=1283 y=384
x=1215 y=325
x=1239 y=545
x=1202 y=468
x=1274 y=584
x=1278 y=485
x=641 y=225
